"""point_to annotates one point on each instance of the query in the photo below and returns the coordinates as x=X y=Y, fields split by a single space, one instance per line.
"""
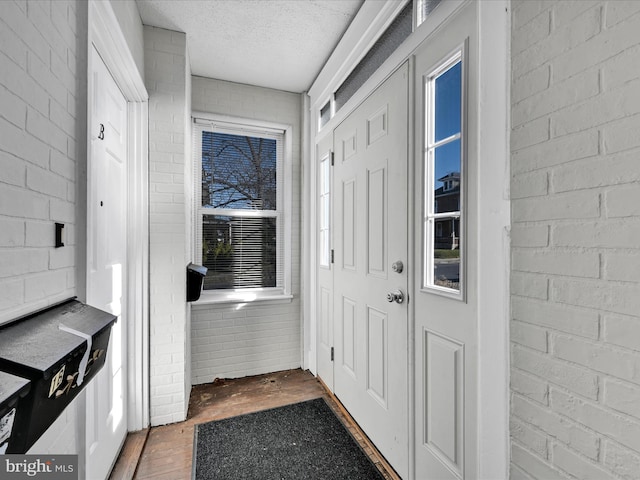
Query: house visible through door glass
x=443 y=177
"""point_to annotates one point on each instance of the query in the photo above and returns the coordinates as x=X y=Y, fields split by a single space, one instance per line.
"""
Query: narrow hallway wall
x=166 y=79
x=575 y=329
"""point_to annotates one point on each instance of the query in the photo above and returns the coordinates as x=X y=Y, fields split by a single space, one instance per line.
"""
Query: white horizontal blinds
x=240 y=252
x=240 y=206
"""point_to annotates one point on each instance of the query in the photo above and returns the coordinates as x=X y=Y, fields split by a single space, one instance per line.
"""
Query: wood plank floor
x=167 y=453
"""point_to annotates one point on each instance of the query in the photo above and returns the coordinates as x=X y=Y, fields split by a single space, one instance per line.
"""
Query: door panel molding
x=444 y=406
x=348 y=351
x=349 y=240
x=377 y=125
x=377 y=224
x=377 y=355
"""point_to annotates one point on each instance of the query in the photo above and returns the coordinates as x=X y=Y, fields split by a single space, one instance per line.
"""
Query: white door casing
x=446 y=325
x=106 y=403
x=106 y=36
x=369 y=235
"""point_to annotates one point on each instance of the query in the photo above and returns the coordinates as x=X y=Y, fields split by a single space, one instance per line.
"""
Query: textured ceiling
x=279 y=44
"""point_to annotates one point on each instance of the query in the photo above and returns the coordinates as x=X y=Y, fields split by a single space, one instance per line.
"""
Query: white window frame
x=429 y=147
x=212 y=122
x=418 y=15
x=332 y=106
x=324 y=200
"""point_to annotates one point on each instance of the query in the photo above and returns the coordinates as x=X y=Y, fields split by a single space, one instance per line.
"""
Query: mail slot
x=12 y=390
x=59 y=350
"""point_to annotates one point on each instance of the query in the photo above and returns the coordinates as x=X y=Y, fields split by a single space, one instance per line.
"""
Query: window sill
x=234 y=298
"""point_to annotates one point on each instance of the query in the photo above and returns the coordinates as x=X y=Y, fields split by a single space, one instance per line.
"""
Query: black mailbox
x=12 y=389
x=195 y=276
x=50 y=348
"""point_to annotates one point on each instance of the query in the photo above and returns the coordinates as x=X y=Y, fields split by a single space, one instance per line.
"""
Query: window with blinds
x=240 y=214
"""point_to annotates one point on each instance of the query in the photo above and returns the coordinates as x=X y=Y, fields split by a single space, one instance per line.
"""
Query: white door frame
x=494 y=207
x=106 y=36
x=493 y=305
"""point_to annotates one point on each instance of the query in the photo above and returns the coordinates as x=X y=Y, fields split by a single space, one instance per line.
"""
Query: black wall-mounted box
x=195 y=277
x=35 y=348
x=12 y=389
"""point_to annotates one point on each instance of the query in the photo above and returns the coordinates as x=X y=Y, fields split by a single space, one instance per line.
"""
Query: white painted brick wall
x=231 y=342
x=165 y=76
x=41 y=119
x=575 y=330
x=42 y=129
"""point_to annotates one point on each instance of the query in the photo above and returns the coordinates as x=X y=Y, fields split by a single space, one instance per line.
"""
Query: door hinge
x=332 y=354
x=332 y=158
x=332 y=255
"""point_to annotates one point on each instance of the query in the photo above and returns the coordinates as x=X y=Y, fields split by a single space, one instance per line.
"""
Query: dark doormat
x=300 y=441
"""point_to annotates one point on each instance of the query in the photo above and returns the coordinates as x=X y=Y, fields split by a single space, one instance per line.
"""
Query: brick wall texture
x=43 y=52
x=42 y=135
x=575 y=324
x=166 y=81
x=232 y=341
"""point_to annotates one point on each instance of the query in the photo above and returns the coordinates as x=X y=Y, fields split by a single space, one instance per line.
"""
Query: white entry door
x=106 y=266
x=370 y=268
x=446 y=251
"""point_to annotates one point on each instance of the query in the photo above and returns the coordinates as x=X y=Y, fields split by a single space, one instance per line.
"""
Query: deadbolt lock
x=397 y=267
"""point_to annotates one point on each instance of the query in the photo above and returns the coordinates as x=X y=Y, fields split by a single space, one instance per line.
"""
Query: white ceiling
x=279 y=44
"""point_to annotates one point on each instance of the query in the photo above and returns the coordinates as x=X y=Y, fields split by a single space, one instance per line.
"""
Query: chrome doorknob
x=396 y=296
x=397 y=266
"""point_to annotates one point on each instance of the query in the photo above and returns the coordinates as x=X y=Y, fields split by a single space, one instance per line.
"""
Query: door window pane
x=325 y=212
x=446 y=255
x=425 y=7
x=444 y=178
x=325 y=114
x=447 y=178
x=447 y=102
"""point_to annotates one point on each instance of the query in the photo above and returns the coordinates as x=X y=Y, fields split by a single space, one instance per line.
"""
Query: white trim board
x=494 y=32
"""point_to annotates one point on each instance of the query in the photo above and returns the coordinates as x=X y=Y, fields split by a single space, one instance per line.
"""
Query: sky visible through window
x=448 y=100
x=238 y=172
